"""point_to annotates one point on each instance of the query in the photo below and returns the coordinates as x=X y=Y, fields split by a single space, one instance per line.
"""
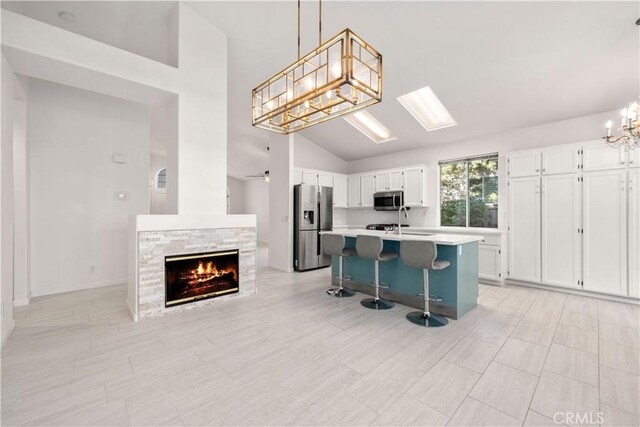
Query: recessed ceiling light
x=66 y=16
x=370 y=127
x=427 y=109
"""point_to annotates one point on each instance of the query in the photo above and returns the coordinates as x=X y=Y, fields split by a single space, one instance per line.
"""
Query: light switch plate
x=119 y=158
x=121 y=196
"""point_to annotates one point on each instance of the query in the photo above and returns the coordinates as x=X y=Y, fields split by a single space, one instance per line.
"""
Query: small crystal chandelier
x=629 y=126
x=341 y=75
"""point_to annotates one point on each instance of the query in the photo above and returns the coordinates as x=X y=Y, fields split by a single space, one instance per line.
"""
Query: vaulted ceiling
x=496 y=66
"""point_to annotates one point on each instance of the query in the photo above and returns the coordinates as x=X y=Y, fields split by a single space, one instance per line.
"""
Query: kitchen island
x=457 y=285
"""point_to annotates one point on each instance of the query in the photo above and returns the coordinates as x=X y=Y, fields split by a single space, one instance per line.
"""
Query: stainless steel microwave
x=388 y=200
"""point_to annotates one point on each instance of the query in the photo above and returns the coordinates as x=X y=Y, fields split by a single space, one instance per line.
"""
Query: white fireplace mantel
x=152 y=237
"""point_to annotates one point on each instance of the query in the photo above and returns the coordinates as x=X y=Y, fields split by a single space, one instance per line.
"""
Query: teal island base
x=457 y=285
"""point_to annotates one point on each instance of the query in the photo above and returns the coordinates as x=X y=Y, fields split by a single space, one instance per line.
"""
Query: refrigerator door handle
x=319 y=221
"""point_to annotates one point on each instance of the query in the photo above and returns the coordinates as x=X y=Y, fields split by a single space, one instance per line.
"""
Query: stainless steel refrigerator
x=312 y=213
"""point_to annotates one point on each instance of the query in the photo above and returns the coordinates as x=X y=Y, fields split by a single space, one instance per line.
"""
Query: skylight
x=370 y=127
x=427 y=109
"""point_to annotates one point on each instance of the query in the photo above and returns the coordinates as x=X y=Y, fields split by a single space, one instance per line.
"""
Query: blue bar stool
x=370 y=247
x=334 y=245
x=423 y=254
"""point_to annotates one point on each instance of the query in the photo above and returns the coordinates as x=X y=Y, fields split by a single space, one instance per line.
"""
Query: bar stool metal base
x=423 y=319
x=376 y=304
x=340 y=292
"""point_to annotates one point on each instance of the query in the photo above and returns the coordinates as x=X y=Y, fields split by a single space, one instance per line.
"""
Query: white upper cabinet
x=297 y=176
x=598 y=156
x=634 y=232
x=325 y=179
x=309 y=177
x=340 y=191
x=395 y=180
x=354 y=191
x=560 y=160
x=524 y=164
x=634 y=158
x=524 y=228
x=382 y=181
x=561 y=209
x=389 y=180
x=605 y=231
x=367 y=188
x=414 y=185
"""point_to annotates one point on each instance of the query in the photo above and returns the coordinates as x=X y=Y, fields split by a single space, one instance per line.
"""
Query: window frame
x=467 y=161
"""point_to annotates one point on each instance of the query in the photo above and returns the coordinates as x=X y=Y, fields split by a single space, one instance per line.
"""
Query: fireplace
x=201 y=276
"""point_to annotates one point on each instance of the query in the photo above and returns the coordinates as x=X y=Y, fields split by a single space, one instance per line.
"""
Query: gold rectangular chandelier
x=342 y=75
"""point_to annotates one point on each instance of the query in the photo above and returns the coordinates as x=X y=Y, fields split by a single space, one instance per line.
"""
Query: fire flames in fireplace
x=200 y=276
x=204 y=274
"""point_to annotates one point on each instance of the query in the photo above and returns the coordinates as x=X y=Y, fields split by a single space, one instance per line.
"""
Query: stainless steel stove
x=384 y=227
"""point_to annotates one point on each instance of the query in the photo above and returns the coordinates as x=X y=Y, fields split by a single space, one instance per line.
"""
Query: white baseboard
x=21 y=302
x=286 y=269
x=133 y=314
x=571 y=291
x=78 y=287
x=8 y=332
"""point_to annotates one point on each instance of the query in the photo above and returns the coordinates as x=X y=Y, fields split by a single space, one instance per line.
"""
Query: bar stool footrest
x=432 y=297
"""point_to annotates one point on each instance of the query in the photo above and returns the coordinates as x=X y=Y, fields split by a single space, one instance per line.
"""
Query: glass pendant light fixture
x=341 y=75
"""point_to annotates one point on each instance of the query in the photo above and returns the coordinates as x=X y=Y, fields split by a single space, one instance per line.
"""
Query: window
x=469 y=192
x=161 y=178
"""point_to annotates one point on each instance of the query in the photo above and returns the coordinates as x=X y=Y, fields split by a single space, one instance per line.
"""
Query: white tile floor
x=292 y=355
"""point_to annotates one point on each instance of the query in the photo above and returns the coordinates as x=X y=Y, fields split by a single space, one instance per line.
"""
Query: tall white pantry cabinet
x=574 y=218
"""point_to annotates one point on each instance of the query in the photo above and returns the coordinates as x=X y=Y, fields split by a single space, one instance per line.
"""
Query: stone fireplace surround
x=152 y=237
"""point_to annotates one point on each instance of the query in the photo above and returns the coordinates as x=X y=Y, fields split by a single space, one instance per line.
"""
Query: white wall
x=236 y=193
x=198 y=158
x=6 y=198
x=256 y=201
x=22 y=237
x=306 y=154
x=556 y=133
x=76 y=223
x=281 y=201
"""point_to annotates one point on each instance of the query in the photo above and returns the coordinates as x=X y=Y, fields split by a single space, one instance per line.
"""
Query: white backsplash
x=361 y=217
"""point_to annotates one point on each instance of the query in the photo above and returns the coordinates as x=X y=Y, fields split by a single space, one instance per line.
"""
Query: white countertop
x=440 y=239
x=454 y=230
x=191 y=222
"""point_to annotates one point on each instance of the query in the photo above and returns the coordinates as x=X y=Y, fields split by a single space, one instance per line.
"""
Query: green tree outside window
x=469 y=193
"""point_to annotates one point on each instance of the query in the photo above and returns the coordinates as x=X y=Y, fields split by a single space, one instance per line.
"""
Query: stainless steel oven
x=388 y=200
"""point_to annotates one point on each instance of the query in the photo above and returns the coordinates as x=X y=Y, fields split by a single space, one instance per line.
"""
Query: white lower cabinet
x=489 y=262
x=560 y=239
x=524 y=229
x=634 y=232
x=605 y=231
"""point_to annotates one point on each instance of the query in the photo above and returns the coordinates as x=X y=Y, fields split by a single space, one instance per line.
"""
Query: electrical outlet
x=93 y=268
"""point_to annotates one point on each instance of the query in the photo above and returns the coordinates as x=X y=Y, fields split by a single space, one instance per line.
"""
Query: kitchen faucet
x=406 y=215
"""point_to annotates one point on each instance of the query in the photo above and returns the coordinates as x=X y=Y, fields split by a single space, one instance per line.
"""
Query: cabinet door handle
x=622 y=162
x=537 y=170
x=544 y=169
